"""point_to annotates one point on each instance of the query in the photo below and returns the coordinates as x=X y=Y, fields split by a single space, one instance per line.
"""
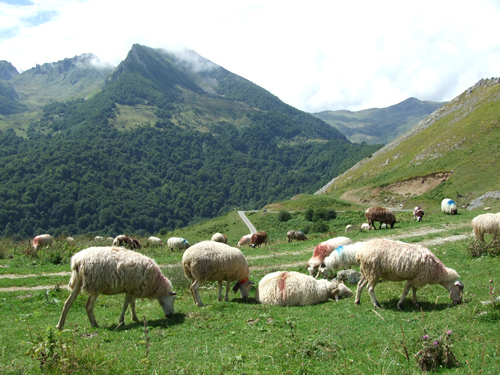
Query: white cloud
x=314 y=55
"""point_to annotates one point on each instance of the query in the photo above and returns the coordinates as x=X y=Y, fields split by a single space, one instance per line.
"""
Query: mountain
x=379 y=125
x=164 y=140
x=7 y=70
x=453 y=153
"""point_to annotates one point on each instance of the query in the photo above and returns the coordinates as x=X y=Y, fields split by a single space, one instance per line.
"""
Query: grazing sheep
x=290 y=288
x=449 y=207
x=115 y=270
x=486 y=224
x=177 y=243
x=365 y=226
x=215 y=261
x=258 y=239
x=296 y=235
x=98 y=238
x=381 y=214
x=349 y=228
x=123 y=240
x=244 y=240
x=399 y=261
x=418 y=213
x=219 y=237
x=155 y=241
x=42 y=240
x=343 y=257
x=322 y=250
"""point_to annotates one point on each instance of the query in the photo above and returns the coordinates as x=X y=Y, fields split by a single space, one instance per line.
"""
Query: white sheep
x=290 y=288
x=155 y=241
x=365 y=226
x=399 y=261
x=449 y=207
x=486 y=224
x=322 y=250
x=42 y=240
x=342 y=258
x=177 y=243
x=244 y=239
x=349 y=228
x=215 y=261
x=115 y=270
x=219 y=237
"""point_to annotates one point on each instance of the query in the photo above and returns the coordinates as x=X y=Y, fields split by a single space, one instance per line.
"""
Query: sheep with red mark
x=290 y=288
x=215 y=261
x=399 y=261
x=486 y=224
x=418 y=213
x=258 y=239
x=244 y=240
x=322 y=250
x=115 y=270
x=296 y=235
x=42 y=240
x=381 y=214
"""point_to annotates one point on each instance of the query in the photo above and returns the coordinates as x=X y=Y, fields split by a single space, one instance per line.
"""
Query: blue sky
x=314 y=55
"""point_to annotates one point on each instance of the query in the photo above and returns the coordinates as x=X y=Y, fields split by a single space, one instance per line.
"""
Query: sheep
x=418 y=213
x=296 y=235
x=219 y=237
x=155 y=241
x=349 y=228
x=343 y=257
x=398 y=261
x=322 y=250
x=42 y=240
x=98 y=238
x=449 y=207
x=365 y=226
x=116 y=270
x=486 y=224
x=381 y=214
x=177 y=243
x=215 y=261
x=123 y=240
x=290 y=288
x=258 y=239
x=245 y=239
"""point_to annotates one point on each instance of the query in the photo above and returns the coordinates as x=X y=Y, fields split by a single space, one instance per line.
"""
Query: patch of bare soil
x=403 y=189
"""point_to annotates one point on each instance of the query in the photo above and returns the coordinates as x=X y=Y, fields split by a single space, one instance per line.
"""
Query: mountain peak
x=7 y=70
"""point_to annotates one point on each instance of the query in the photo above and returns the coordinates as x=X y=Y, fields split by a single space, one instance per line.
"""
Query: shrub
x=436 y=353
x=284 y=216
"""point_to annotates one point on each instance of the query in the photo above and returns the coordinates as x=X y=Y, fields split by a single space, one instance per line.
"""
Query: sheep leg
x=196 y=295
x=371 y=292
x=405 y=292
x=89 y=306
x=67 y=305
x=132 y=307
x=220 y=291
x=361 y=284
x=414 y=290
x=227 y=290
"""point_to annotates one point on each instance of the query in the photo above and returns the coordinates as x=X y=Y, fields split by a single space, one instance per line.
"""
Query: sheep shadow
x=408 y=306
x=175 y=319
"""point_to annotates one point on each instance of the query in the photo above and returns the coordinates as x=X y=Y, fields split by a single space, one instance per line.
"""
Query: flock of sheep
x=116 y=270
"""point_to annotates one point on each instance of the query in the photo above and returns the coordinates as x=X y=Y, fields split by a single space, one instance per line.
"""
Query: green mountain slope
x=379 y=125
x=169 y=140
x=453 y=153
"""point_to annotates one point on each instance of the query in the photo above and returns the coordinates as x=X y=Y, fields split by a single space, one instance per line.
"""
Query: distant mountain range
x=161 y=141
x=379 y=125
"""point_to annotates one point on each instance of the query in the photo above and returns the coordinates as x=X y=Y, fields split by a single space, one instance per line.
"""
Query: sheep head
x=456 y=289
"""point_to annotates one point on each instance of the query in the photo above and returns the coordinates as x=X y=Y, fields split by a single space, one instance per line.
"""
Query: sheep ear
x=334 y=294
x=173 y=293
x=459 y=284
x=236 y=287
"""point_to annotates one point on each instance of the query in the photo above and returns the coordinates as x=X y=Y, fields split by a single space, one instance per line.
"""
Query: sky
x=313 y=55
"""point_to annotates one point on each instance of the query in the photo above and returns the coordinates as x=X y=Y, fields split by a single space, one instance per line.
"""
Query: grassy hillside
x=460 y=141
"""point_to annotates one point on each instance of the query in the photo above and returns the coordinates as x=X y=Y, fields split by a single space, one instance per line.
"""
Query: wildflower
x=491 y=280
x=435 y=343
x=425 y=337
x=449 y=332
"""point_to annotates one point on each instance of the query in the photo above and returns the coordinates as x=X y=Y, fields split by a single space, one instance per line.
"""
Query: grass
x=245 y=337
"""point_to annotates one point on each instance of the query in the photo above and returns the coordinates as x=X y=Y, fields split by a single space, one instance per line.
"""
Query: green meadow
x=243 y=337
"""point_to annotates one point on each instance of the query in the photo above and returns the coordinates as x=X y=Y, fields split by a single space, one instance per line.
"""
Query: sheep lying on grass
x=343 y=257
x=115 y=270
x=289 y=288
x=399 y=261
x=215 y=261
x=322 y=250
x=486 y=224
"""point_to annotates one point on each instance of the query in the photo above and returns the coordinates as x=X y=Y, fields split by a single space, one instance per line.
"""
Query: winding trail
x=247 y=222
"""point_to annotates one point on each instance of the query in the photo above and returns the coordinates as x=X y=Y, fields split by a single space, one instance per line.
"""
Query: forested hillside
x=168 y=141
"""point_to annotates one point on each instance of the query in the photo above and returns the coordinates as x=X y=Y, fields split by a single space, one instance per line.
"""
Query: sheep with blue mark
x=342 y=258
x=449 y=207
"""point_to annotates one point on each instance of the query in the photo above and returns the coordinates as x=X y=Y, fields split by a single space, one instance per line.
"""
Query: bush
x=284 y=216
